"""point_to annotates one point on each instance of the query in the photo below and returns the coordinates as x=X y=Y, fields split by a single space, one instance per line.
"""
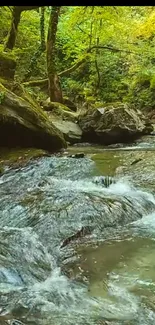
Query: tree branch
x=110 y=48
x=71 y=69
x=44 y=82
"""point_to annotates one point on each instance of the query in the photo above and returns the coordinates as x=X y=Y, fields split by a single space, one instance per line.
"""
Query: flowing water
x=108 y=276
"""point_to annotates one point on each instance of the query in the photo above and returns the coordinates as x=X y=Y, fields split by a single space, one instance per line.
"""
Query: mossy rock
x=7 y=65
x=59 y=110
x=69 y=104
x=52 y=106
x=19 y=90
x=66 y=105
x=24 y=124
x=6 y=83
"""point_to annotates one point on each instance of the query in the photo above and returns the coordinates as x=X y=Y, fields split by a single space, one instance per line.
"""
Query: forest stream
x=104 y=277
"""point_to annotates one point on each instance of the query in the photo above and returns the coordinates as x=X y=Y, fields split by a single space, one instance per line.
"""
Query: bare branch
x=110 y=48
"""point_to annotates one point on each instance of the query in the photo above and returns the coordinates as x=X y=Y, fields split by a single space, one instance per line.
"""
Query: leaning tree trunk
x=11 y=39
x=54 y=86
x=16 y=15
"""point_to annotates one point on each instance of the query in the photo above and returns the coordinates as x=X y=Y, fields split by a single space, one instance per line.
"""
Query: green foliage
x=141 y=90
x=72 y=88
x=105 y=75
x=152 y=82
x=28 y=39
x=5 y=17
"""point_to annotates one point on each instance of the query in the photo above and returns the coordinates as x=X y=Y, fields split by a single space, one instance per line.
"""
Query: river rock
x=24 y=124
x=84 y=231
x=77 y=155
x=136 y=161
x=112 y=124
x=65 y=120
x=71 y=131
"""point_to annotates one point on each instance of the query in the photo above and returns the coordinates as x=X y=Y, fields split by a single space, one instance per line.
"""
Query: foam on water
x=144 y=226
x=122 y=187
x=45 y=203
x=70 y=297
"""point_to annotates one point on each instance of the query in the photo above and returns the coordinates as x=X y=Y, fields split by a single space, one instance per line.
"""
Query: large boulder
x=112 y=124
x=71 y=131
x=23 y=123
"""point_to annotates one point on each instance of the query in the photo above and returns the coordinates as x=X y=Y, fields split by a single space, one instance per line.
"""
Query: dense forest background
x=108 y=51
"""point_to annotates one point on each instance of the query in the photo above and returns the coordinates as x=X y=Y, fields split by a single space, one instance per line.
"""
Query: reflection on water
x=122 y=273
x=125 y=263
x=105 y=278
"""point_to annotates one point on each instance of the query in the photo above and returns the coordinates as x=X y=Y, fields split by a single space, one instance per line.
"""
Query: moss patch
x=17 y=157
x=50 y=106
x=7 y=65
x=59 y=110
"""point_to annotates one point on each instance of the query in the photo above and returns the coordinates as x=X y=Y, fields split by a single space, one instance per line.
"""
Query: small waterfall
x=106 y=181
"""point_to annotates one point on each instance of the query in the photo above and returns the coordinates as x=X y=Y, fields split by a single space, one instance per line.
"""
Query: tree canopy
x=100 y=53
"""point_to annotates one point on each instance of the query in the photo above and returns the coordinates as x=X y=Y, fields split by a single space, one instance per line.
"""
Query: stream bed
x=105 y=277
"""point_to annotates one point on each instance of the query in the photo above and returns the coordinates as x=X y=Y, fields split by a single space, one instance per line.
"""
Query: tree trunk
x=42 y=28
x=16 y=15
x=41 y=48
x=11 y=39
x=54 y=86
